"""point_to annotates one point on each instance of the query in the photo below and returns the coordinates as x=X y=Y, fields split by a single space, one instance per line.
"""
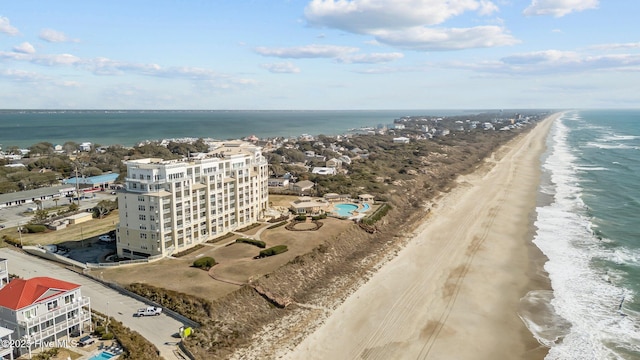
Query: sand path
x=453 y=291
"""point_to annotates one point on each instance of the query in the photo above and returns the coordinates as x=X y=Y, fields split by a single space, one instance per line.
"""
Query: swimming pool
x=102 y=356
x=365 y=207
x=345 y=209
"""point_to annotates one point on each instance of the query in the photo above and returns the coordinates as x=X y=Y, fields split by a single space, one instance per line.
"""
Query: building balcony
x=51 y=315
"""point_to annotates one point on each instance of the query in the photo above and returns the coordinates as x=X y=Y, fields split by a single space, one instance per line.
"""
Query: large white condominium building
x=172 y=205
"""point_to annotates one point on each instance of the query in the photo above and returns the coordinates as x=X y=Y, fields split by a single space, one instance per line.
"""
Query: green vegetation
x=278 y=249
x=319 y=217
x=11 y=241
x=247 y=228
x=204 y=263
x=34 y=228
x=46 y=354
x=223 y=237
x=258 y=243
x=277 y=225
x=188 y=251
x=301 y=218
x=377 y=215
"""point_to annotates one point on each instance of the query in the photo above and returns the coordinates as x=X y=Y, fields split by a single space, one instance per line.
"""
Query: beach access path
x=453 y=291
x=159 y=330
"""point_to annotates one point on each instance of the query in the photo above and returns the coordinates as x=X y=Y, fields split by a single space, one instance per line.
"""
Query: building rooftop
x=20 y=293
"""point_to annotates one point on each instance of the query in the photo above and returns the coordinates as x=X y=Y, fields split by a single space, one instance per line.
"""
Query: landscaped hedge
x=277 y=225
x=377 y=215
x=11 y=241
x=258 y=243
x=278 y=249
x=225 y=236
x=204 y=263
x=188 y=251
x=301 y=218
x=319 y=217
x=33 y=228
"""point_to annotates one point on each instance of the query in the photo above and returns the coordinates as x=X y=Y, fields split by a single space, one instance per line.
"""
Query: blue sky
x=319 y=54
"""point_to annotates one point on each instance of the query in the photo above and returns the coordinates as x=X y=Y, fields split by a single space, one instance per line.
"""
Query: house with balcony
x=41 y=310
x=6 y=345
x=4 y=273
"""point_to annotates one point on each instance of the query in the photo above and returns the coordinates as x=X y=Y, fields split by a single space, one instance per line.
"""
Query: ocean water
x=26 y=127
x=591 y=235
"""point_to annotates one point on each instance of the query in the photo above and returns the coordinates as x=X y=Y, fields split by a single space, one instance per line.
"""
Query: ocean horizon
x=24 y=128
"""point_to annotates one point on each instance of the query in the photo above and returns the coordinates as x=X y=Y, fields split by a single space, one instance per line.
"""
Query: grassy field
x=71 y=234
x=236 y=261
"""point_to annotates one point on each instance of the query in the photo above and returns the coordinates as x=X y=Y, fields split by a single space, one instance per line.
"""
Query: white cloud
x=24 y=48
x=307 y=51
x=5 y=27
x=374 y=58
x=363 y=16
x=409 y=23
x=55 y=36
x=430 y=39
x=282 y=68
x=109 y=67
x=558 y=8
x=554 y=62
x=21 y=75
x=616 y=46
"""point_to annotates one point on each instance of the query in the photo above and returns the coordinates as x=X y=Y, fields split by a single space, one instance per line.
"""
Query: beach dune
x=453 y=292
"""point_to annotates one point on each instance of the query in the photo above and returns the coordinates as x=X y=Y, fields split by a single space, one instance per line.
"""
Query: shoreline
x=459 y=279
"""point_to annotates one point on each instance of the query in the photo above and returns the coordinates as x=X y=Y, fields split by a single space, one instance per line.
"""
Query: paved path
x=159 y=330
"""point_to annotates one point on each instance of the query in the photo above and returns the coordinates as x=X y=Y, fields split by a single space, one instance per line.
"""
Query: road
x=159 y=330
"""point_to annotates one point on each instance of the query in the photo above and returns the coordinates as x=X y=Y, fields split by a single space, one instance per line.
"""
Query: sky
x=319 y=54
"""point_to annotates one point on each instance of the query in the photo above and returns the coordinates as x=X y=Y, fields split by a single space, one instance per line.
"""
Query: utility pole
x=20 y=232
x=77 y=187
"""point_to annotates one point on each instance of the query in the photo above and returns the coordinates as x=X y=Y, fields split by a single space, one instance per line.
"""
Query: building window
x=68 y=299
x=52 y=305
x=141 y=208
x=143 y=236
x=140 y=198
x=142 y=217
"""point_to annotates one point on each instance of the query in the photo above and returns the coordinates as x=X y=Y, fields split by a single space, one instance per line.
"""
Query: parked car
x=105 y=238
x=86 y=340
x=149 y=311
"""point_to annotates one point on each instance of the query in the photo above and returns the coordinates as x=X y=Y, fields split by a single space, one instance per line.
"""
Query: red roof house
x=21 y=293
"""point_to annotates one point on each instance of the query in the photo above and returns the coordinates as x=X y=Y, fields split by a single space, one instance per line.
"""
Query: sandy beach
x=453 y=292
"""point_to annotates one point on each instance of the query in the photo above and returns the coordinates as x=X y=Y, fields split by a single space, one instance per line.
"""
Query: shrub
x=301 y=218
x=107 y=336
x=278 y=249
x=204 y=263
x=188 y=251
x=319 y=217
x=33 y=228
x=11 y=241
x=258 y=243
x=377 y=215
x=277 y=225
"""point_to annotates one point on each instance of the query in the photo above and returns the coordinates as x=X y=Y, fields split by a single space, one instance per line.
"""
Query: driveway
x=159 y=330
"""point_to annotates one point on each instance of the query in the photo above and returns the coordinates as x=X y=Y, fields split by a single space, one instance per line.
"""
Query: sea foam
x=583 y=296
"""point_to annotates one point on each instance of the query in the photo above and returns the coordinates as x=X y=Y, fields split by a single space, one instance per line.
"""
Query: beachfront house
x=42 y=310
x=4 y=273
x=310 y=206
x=324 y=171
x=278 y=182
x=303 y=186
x=6 y=348
x=334 y=163
x=401 y=140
